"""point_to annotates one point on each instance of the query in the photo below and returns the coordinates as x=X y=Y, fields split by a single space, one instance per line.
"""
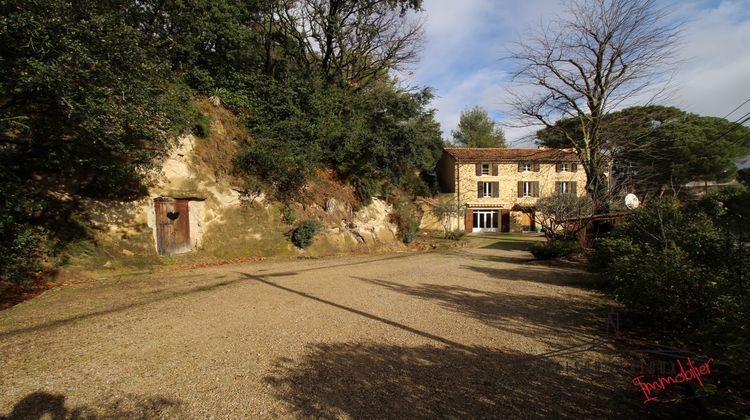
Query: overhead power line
x=738 y=107
x=735 y=125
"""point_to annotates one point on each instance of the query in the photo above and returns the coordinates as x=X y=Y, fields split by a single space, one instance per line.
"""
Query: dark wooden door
x=172 y=226
x=504 y=220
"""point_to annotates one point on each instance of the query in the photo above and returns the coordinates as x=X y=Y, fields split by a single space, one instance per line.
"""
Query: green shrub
x=408 y=232
x=202 y=127
x=675 y=262
x=663 y=282
x=555 y=249
x=302 y=236
x=289 y=215
x=21 y=253
x=406 y=220
x=282 y=169
x=366 y=189
x=252 y=188
x=686 y=264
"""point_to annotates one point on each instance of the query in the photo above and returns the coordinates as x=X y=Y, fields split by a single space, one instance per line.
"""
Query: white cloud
x=465 y=42
x=482 y=88
x=715 y=76
x=466 y=39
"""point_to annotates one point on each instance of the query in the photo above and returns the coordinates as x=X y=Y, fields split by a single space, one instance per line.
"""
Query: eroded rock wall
x=222 y=224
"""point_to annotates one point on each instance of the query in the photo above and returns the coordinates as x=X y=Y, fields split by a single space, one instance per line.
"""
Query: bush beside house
x=555 y=249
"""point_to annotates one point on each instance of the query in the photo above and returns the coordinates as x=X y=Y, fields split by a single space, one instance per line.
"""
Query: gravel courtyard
x=480 y=331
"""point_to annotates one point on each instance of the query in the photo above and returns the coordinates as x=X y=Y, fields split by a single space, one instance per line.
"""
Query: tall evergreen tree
x=477 y=129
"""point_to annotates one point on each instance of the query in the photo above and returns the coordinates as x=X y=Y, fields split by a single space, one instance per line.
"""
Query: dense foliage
x=374 y=133
x=86 y=104
x=658 y=147
x=92 y=92
x=686 y=264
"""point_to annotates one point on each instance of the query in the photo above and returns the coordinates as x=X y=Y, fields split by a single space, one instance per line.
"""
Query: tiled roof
x=502 y=154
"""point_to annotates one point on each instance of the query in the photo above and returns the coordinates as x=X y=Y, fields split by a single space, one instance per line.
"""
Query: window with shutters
x=527 y=189
x=526 y=167
x=564 y=167
x=485 y=169
x=487 y=189
x=565 y=187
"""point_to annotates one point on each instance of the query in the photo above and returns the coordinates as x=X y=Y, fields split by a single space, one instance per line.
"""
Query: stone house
x=499 y=188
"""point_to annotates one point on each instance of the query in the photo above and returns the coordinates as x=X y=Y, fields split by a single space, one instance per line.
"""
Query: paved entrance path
x=475 y=332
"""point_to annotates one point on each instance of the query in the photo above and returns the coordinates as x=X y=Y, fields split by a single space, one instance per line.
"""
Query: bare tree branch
x=356 y=41
x=600 y=55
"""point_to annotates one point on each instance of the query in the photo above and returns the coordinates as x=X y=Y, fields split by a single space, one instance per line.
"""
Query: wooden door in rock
x=172 y=226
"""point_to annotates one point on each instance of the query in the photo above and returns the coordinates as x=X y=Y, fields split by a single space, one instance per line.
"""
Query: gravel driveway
x=480 y=331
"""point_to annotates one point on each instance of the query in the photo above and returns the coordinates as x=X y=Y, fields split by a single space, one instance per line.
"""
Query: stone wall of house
x=508 y=177
x=461 y=181
x=430 y=222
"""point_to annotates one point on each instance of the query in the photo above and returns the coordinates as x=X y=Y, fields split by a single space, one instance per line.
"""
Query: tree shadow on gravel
x=510 y=244
x=386 y=381
x=43 y=405
x=139 y=301
x=507 y=259
x=545 y=317
x=547 y=274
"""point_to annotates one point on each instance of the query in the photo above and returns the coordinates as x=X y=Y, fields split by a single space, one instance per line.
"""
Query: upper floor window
x=567 y=167
x=485 y=169
x=527 y=189
x=487 y=189
x=566 y=187
x=528 y=167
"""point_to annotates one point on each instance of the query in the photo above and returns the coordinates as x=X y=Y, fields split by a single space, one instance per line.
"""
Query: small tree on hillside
x=477 y=129
x=447 y=211
x=562 y=215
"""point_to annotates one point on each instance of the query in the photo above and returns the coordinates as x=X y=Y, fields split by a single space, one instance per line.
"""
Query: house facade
x=498 y=188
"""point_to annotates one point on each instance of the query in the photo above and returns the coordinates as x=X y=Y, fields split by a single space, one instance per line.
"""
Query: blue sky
x=465 y=40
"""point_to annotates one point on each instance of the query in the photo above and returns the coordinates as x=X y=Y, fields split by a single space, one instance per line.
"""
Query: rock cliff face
x=221 y=223
x=367 y=229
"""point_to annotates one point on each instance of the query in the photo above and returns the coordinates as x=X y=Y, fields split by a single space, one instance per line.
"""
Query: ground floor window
x=486 y=220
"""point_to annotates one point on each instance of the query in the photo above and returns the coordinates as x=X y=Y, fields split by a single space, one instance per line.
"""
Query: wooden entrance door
x=172 y=226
